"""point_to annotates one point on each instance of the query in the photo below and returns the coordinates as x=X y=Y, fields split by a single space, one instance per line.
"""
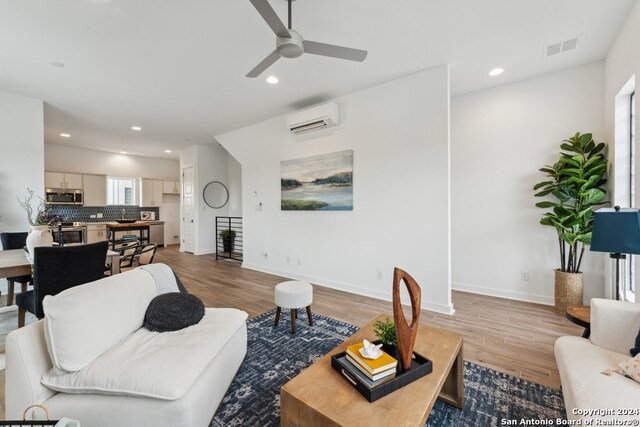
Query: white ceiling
x=176 y=68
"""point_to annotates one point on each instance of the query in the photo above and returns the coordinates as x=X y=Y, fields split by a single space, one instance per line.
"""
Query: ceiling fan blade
x=266 y=63
x=334 y=51
x=270 y=16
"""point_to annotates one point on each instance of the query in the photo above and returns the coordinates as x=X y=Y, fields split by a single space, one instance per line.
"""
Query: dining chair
x=126 y=249
x=15 y=241
x=58 y=268
x=143 y=255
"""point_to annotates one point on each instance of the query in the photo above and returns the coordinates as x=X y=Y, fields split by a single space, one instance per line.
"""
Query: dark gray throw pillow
x=173 y=311
x=635 y=350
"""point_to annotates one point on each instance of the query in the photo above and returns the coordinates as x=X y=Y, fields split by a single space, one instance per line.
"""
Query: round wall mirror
x=215 y=194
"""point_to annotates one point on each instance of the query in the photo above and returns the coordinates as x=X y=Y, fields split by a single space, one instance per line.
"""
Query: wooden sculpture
x=406 y=333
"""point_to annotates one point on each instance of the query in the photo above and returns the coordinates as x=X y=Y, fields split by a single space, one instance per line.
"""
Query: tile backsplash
x=109 y=213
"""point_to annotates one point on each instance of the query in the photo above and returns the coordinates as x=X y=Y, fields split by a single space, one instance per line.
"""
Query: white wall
x=499 y=139
x=399 y=132
x=622 y=64
x=235 y=187
x=210 y=164
x=21 y=156
x=63 y=158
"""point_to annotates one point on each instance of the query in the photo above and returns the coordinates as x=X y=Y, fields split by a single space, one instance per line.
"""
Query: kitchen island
x=142 y=227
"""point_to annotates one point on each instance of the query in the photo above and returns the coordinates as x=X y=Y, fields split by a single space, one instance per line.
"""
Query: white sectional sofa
x=614 y=327
x=91 y=360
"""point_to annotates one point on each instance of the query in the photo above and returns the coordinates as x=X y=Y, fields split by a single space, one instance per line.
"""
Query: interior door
x=188 y=210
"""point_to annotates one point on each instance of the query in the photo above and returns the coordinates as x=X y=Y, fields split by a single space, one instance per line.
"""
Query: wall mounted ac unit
x=320 y=117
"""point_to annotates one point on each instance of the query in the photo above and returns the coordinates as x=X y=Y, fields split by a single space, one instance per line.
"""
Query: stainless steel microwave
x=58 y=196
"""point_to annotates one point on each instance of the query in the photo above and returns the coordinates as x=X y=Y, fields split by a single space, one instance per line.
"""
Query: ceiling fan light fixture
x=290 y=47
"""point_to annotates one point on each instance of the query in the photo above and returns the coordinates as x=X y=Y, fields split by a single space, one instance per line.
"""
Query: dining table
x=14 y=262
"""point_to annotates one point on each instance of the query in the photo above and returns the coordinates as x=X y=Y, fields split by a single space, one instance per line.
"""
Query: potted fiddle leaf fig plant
x=574 y=185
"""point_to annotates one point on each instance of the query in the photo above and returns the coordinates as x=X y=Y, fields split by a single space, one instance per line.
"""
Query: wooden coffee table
x=320 y=396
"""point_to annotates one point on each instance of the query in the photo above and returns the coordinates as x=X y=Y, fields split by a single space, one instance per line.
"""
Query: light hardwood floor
x=510 y=336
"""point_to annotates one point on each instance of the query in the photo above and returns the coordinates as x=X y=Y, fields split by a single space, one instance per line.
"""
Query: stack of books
x=371 y=372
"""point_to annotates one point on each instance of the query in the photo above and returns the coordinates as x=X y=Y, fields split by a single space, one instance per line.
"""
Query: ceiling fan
x=290 y=44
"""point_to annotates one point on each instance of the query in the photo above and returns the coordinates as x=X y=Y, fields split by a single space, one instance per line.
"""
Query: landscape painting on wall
x=318 y=183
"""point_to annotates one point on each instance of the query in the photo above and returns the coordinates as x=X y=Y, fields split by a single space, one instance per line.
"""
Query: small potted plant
x=386 y=333
x=228 y=240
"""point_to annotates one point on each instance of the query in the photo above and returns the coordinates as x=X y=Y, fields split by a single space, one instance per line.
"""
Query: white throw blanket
x=163 y=276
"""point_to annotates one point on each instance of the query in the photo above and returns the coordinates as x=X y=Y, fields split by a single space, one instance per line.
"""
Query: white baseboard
x=205 y=252
x=501 y=293
x=384 y=296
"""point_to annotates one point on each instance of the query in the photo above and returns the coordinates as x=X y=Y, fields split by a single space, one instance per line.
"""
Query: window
x=121 y=191
x=626 y=176
x=632 y=144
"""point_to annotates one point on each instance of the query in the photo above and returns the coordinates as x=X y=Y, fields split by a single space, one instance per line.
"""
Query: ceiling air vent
x=569 y=44
x=553 y=49
x=561 y=47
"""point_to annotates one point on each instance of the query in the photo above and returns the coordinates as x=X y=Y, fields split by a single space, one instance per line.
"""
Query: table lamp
x=616 y=231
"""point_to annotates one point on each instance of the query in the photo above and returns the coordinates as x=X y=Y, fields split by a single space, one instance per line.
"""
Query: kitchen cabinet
x=62 y=180
x=170 y=187
x=151 y=193
x=95 y=190
x=96 y=233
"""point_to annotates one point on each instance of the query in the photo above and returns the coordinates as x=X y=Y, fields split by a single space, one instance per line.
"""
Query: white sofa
x=102 y=368
x=614 y=327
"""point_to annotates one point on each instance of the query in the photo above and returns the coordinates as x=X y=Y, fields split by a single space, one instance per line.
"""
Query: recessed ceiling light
x=167 y=151
x=123 y=152
x=272 y=79
x=65 y=135
x=136 y=128
x=57 y=64
x=496 y=72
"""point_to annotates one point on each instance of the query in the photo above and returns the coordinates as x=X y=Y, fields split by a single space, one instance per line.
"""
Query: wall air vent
x=320 y=117
x=558 y=48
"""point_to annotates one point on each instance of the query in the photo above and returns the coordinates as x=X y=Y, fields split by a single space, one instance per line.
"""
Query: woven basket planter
x=568 y=290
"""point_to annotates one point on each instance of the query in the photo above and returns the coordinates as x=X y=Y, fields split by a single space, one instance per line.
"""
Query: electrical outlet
x=288 y=259
x=99 y=215
x=92 y=216
x=379 y=275
x=265 y=253
x=524 y=275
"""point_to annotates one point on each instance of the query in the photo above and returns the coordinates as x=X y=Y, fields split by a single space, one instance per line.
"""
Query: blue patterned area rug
x=274 y=357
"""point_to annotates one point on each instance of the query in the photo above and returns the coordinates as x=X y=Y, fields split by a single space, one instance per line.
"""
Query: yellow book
x=373 y=366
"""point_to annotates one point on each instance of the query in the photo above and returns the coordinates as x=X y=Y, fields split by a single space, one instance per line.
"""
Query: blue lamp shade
x=616 y=232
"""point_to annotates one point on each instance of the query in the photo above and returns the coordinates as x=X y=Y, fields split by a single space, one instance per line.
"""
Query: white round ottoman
x=293 y=295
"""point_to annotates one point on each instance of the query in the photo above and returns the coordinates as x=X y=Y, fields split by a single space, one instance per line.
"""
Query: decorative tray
x=420 y=366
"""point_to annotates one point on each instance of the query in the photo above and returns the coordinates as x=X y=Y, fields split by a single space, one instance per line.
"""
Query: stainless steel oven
x=70 y=234
x=57 y=196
